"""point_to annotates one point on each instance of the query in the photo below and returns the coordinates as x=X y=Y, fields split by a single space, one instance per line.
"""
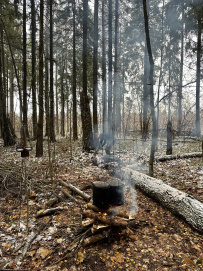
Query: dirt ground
x=161 y=241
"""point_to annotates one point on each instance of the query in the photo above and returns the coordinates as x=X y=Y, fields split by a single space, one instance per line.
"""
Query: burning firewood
x=112 y=221
x=111 y=211
x=99 y=228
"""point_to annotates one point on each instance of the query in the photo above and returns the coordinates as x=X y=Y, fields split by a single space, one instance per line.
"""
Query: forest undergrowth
x=161 y=241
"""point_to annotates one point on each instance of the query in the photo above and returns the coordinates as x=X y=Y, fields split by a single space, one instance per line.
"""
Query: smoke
x=131 y=193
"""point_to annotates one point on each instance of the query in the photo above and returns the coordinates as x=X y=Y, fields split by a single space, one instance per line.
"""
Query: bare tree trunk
x=39 y=144
x=7 y=132
x=14 y=65
x=151 y=61
x=145 y=95
x=169 y=138
x=46 y=64
x=198 y=127
x=51 y=124
x=181 y=76
x=24 y=69
x=62 y=101
x=95 y=68
x=161 y=65
x=57 y=114
x=11 y=98
x=116 y=98
x=33 y=83
x=110 y=69
x=75 y=130
x=84 y=100
x=104 y=100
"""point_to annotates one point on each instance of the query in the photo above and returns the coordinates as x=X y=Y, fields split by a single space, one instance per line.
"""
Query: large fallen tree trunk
x=173 y=199
x=178 y=156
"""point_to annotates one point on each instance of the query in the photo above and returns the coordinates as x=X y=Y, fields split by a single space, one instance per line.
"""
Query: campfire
x=107 y=211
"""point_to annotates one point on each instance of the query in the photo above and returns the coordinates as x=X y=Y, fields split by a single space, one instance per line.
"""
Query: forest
x=94 y=95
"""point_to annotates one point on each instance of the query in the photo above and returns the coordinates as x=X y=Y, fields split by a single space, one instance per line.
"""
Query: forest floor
x=161 y=241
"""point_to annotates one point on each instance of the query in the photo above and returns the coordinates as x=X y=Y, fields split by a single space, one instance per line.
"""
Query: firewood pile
x=102 y=222
x=99 y=218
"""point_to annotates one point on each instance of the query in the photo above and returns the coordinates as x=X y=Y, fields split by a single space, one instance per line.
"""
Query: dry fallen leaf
x=44 y=252
x=187 y=260
x=80 y=257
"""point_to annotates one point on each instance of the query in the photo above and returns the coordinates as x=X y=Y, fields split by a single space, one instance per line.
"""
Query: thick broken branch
x=70 y=196
x=95 y=238
x=48 y=212
x=55 y=200
x=76 y=190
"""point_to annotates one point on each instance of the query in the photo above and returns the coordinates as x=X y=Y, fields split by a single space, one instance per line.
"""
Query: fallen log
x=111 y=211
x=178 y=202
x=112 y=221
x=68 y=195
x=178 y=156
x=76 y=190
x=53 y=201
x=48 y=212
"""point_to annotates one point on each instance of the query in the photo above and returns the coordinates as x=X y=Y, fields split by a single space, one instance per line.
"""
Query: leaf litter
x=163 y=242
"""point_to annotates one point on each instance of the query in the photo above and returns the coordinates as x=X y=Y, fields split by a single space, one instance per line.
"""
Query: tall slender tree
x=51 y=95
x=24 y=68
x=110 y=68
x=84 y=100
x=161 y=64
x=62 y=99
x=116 y=89
x=75 y=130
x=151 y=61
x=197 y=122
x=181 y=73
x=47 y=71
x=39 y=143
x=33 y=82
x=95 y=67
x=104 y=100
x=8 y=138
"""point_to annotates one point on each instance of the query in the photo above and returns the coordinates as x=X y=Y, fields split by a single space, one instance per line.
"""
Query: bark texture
x=178 y=156
x=178 y=202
